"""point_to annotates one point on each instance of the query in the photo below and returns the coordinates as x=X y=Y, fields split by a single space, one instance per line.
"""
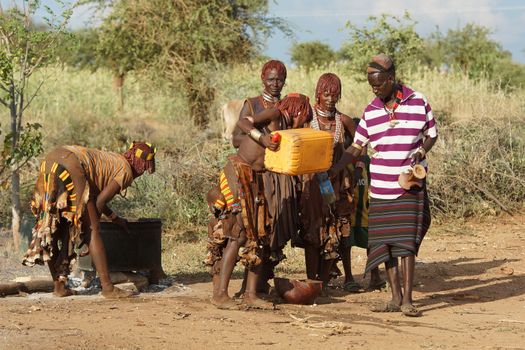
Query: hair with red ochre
x=295 y=103
x=328 y=82
x=274 y=64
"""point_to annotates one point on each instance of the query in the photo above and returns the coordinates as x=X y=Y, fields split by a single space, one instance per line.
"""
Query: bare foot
x=63 y=292
x=253 y=302
x=227 y=305
x=115 y=293
x=220 y=298
x=224 y=302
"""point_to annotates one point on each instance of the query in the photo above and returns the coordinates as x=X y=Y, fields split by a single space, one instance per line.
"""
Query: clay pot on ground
x=298 y=291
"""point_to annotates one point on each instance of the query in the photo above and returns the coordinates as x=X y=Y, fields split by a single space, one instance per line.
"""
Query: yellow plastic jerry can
x=301 y=151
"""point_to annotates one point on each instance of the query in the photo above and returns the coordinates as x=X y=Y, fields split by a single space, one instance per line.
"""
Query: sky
x=325 y=20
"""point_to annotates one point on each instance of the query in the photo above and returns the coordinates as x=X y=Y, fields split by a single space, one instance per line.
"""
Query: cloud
x=325 y=18
x=444 y=13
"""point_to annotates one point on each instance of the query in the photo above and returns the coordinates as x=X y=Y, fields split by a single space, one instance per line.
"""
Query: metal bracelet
x=255 y=134
x=355 y=145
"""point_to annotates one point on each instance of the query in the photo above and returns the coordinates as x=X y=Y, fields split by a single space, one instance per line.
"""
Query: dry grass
x=478 y=168
x=184 y=251
x=479 y=153
x=183 y=256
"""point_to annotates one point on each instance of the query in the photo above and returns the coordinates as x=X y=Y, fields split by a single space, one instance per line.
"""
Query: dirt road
x=470 y=284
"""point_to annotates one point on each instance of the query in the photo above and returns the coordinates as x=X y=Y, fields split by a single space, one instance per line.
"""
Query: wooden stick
x=33 y=286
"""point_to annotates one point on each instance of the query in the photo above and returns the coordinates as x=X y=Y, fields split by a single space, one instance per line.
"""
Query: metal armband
x=255 y=134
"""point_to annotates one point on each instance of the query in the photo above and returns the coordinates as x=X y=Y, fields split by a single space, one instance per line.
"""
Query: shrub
x=476 y=168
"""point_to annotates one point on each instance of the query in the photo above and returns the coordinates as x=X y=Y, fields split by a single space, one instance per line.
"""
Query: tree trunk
x=200 y=97
x=118 y=85
x=16 y=207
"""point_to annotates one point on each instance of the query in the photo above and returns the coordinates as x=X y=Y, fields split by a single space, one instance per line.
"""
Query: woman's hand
x=123 y=223
x=267 y=142
x=332 y=174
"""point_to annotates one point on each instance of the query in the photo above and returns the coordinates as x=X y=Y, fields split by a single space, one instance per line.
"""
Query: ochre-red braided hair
x=296 y=105
x=274 y=64
x=328 y=82
x=141 y=157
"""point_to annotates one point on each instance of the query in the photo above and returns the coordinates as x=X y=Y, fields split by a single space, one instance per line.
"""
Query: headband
x=380 y=68
x=144 y=154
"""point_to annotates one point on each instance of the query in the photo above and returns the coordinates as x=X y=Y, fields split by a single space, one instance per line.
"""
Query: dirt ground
x=470 y=284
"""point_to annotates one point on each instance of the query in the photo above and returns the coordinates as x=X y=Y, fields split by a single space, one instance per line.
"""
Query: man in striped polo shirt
x=399 y=127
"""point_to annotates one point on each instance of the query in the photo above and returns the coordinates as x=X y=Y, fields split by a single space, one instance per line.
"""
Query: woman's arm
x=102 y=205
x=248 y=125
x=349 y=125
x=237 y=134
x=105 y=196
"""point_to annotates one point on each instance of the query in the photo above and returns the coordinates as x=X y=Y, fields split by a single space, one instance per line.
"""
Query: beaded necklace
x=317 y=120
x=328 y=115
x=391 y=112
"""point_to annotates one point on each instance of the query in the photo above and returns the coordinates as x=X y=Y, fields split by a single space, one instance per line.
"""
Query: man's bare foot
x=253 y=302
x=115 y=293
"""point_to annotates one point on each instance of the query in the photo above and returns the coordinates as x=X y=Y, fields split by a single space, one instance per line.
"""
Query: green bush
x=476 y=168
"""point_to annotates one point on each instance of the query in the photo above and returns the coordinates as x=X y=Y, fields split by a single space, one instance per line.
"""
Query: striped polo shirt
x=394 y=146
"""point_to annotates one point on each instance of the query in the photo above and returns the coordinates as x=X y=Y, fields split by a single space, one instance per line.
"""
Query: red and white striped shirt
x=394 y=146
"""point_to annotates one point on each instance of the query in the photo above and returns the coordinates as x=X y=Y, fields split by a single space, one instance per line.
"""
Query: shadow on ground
x=466 y=281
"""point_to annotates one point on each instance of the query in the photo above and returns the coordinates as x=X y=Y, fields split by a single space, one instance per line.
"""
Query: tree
x=386 y=34
x=23 y=49
x=471 y=50
x=311 y=54
x=79 y=50
x=183 y=40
